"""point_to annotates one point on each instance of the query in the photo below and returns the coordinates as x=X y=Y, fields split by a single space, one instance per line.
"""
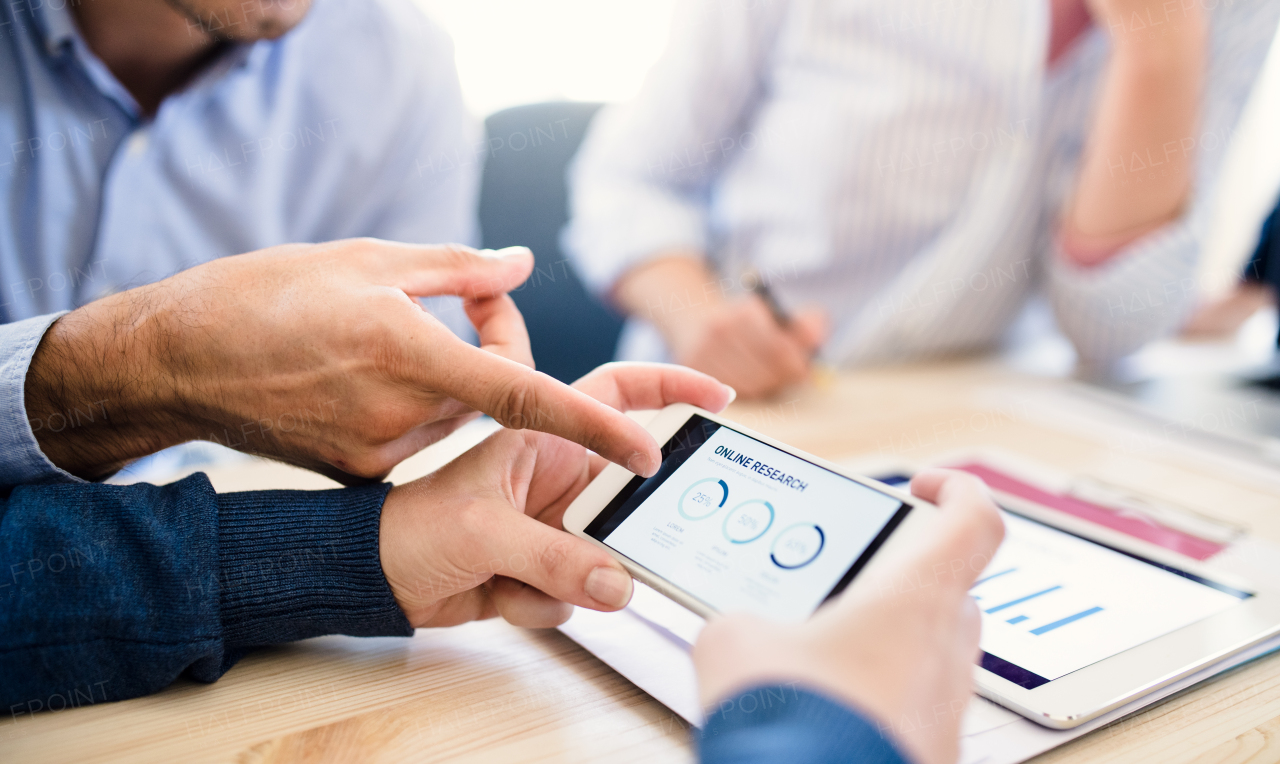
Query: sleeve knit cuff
x=300 y=564
x=790 y=723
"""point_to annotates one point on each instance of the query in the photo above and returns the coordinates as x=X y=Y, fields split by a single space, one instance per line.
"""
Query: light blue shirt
x=350 y=125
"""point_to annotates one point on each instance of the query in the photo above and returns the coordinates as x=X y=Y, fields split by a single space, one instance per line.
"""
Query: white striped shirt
x=901 y=165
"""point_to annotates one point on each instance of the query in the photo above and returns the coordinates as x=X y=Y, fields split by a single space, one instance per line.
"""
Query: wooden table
x=492 y=692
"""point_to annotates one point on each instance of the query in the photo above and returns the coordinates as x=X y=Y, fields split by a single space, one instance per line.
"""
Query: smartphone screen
x=743 y=526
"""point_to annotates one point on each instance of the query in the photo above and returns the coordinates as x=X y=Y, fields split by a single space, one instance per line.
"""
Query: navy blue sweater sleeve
x=111 y=592
x=786 y=723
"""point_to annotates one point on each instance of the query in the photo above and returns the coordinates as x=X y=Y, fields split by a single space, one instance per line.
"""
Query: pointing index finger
x=520 y=398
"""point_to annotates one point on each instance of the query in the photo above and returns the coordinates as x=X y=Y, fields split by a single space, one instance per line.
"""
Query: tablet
x=1078 y=620
x=735 y=521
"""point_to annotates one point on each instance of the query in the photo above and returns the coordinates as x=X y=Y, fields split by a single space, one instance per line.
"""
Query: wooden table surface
x=491 y=692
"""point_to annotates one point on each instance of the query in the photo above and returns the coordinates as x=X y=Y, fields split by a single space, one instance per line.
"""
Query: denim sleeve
x=111 y=592
x=21 y=460
x=786 y=723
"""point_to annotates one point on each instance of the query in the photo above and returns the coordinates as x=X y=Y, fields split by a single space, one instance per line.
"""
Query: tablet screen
x=1053 y=602
x=743 y=526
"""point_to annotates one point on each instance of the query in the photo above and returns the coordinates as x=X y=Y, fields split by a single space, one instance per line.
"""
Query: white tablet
x=1077 y=619
x=736 y=521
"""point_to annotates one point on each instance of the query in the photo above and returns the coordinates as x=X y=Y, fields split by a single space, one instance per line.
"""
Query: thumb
x=452 y=269
x=948 y=558
x=565 y=567
x=969 y=530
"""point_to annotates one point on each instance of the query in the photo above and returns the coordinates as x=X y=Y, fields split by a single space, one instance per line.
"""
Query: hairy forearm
x=95 y=397
x=1139 y=159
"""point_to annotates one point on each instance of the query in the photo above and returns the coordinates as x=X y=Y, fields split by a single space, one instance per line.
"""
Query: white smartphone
x=737 y=521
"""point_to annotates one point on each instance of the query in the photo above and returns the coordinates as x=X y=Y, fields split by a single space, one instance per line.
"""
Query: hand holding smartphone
x=1076 y=620
x=735 y=521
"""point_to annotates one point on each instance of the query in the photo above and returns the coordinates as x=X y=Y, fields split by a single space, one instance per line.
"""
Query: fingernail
x=733 y=394
x=640 y=464
x=506 y=252
x=609 y=586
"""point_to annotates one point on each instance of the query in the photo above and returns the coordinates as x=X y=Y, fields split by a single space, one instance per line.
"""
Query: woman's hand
x=1138 y=166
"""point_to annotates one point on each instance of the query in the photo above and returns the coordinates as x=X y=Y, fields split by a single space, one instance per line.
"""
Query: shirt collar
x=60 y=32
x=57 y=26
x=233 y=57
x=62 y=38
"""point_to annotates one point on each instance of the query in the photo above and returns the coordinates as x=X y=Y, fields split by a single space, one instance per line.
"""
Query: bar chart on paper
x=1053 y=603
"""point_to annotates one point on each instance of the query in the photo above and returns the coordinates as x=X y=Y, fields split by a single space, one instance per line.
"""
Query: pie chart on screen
x=703 y=499
x=797 y=546
x=748 y=521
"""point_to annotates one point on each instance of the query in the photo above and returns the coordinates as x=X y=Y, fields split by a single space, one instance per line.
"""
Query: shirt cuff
x=608 y=240
x=21 y=460
x=622 y=210
x=786 y=723
x=1142 y=293
x=301 y=564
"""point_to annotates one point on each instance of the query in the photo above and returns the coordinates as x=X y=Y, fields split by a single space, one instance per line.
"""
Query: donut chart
x=748 y=521
x=703 y=499
x=797 y=546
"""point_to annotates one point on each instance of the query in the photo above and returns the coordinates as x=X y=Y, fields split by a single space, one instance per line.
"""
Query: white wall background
x=519 y=51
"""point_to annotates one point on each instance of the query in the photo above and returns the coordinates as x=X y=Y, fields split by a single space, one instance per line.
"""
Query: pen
x=760 y=289
x=823 y=375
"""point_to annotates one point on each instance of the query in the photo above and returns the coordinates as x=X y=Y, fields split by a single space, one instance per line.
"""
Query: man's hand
x=482 y=536
x=899 y=645
x=733 y=337
x=316 y=355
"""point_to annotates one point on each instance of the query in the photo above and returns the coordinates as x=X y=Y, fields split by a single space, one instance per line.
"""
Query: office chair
x=1264 y=265
x=523 y=202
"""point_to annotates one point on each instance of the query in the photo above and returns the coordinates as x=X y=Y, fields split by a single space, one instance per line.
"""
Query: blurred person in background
x=859 y=182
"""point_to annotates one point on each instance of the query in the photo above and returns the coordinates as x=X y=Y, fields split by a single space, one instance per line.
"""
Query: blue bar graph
x=1021 y=600
x=1048 y=627
x=1017 y=619
x=985 y=579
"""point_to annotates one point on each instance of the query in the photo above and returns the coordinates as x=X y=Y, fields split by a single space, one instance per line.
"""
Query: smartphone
x=735 y=521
